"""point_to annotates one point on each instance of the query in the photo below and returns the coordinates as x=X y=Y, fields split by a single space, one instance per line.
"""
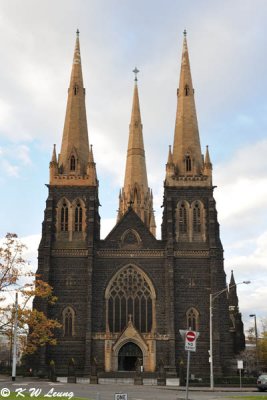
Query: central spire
x=136 y=193
x=75 y=144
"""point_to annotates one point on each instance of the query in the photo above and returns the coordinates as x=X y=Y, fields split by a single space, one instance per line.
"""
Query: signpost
x=190 y=344
x=190 y=341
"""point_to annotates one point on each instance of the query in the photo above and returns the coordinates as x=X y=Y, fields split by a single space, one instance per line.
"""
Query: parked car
x=262 y=382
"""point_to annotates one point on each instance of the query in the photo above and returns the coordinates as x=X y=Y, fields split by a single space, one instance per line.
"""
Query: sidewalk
x=226 y=389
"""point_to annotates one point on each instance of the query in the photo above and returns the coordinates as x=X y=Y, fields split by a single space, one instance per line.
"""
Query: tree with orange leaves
x=34 y=328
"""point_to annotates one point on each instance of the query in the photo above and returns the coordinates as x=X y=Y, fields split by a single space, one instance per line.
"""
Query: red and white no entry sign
x=190 y=336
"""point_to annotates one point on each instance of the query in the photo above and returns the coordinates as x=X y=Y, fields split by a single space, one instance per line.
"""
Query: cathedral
x=126 y=297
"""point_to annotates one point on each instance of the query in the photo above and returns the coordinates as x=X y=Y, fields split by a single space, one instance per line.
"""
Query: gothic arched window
x=78 y=218
x=68 y=322
x=188 y=163
x=72 y=163
x=192 y=317
x=182 y=218
x=130 y=295
x=64 y=217
x=196 y=218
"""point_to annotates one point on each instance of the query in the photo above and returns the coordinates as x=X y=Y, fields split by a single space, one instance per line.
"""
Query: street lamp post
x=256 y=340
x=213 y=296
x=14 y=362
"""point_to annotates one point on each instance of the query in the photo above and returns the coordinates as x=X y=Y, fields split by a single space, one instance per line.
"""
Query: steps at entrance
x=126 y=375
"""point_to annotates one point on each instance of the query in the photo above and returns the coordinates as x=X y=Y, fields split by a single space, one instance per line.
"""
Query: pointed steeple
x=186 y=146
x=187 y=158
x=233 y=298
x=75 y=145
x=75 y=164
x=136 y=192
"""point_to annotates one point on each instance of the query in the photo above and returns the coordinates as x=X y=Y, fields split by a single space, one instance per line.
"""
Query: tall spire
x=187 y=157
x=75 y=165
x=75 y=136
x=136 y=193
x=186 y=136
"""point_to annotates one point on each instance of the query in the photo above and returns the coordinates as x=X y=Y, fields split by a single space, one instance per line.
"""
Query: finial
x=135 y=71
x=185 y=33
x=77 y=33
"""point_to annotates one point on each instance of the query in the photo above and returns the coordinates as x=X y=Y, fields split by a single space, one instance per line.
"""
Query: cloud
x=9 y=169
x=13 y=158
x=241 y=203
x=242 y=190
x=23 y=154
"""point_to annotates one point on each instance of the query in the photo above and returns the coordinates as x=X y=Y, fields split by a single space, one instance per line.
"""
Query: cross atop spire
x=136 y=71
x=77 y=33
x=185 y=33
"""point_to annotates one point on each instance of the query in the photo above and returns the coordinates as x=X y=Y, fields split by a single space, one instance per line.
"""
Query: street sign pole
x=187 y=373
x=190 y=338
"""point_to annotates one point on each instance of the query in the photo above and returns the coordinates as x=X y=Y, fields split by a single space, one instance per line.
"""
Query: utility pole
x=256 y=340
x=14 y=362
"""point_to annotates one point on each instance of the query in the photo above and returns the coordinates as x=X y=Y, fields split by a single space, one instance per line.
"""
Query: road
x=107 y=391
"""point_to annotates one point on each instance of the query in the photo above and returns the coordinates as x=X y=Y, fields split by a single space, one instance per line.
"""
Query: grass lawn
x=27 y=396
x=262 y=397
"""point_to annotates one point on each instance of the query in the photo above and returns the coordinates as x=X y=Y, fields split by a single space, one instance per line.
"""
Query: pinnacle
x=207 y=156
x=54 y=155
x=170 y=158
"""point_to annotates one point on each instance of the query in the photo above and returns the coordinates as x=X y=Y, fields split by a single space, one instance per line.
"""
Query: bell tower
x=70 y=229
x=191 y=230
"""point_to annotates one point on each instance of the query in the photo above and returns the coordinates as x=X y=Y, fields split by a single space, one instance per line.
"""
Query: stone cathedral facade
x=126 y=297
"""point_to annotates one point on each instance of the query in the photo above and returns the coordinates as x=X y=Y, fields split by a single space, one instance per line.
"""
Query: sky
x=227 y=43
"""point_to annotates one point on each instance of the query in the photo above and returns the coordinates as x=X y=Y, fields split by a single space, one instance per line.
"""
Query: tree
x=262 y=346
x=16 y=276
x=255 y=354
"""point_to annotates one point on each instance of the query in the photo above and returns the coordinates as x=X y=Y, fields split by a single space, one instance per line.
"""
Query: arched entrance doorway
x=128 y=355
